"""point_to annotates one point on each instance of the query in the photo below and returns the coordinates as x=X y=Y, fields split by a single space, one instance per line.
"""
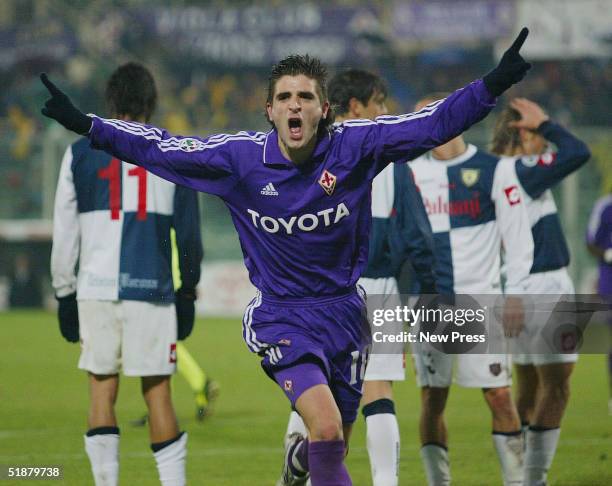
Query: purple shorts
x=309 y=342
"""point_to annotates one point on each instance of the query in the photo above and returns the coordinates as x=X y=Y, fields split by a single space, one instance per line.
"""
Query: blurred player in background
x=114 y=220
x=599 y=242
x=524 y=131
x=474 y=208
x=400 y=230
x=299 y=199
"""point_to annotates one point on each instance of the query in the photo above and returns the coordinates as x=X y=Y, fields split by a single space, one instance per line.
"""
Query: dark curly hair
x=131 y=91
x=312 y=68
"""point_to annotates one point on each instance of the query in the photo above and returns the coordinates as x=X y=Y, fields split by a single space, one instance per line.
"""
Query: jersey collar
x=468 y=154
x=272 y=154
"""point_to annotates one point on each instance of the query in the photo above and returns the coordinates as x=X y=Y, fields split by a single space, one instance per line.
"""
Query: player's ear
x=355 y=107
x=269 y=110
x=325 y=109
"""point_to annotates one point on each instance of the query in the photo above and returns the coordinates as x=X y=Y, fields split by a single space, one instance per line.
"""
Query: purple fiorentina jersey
x=599 y=234
x=303 y=229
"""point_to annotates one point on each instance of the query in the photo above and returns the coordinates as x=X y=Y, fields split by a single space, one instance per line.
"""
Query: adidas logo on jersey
x=269 y=190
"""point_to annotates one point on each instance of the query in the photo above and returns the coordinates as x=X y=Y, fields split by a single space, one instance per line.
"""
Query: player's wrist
x=187 y=293
x=543 y=124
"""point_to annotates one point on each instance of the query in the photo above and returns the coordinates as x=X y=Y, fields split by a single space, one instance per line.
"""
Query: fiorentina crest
x=328 y=182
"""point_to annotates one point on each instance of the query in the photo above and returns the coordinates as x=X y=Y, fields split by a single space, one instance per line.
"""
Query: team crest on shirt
x=172 y=353
x=328 y=182
x=469 y=177
x=569 y=342
x=288 y=386
x=495 y=369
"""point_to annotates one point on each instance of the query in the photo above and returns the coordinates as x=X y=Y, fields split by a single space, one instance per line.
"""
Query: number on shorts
x=357 y=362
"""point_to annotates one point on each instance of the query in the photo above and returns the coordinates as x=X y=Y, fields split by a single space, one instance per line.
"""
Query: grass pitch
x=43 y=409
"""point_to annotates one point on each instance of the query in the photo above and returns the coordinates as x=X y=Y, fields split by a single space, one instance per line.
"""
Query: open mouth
x=295 y=128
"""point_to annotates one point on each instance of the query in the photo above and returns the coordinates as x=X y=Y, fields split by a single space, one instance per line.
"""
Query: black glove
x=68 y=316
x=60 y=108
x=511 y=68
x=185 y=311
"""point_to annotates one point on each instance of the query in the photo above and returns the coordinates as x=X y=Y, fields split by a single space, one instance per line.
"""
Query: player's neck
x=300 y=155
x=450 y=150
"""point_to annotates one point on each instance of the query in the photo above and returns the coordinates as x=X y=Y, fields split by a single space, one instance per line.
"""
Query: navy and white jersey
x=537 y=175
x=114 y=219
x=303 y=228
x=474 y=206
x=400 y=228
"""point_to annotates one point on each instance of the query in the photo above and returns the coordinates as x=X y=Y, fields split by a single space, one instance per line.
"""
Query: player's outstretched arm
x=572 y=153
x=405 y=137
x=201 y=164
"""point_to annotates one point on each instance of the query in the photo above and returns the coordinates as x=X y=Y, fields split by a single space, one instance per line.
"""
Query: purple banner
x=260 y=35
x=460 y=20
x=33 y=41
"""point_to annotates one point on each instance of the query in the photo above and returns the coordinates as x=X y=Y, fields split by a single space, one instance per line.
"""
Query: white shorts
x=384 y=366
x=139 y=337
x=532 y=346
x=434 y=368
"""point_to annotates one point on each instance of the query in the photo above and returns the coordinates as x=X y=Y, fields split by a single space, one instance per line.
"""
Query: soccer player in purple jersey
x=599 y=243
x=400 y=232
x=299 y=197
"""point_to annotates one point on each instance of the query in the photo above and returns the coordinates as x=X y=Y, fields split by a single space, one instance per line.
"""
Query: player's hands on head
x=532 y=115
x=68 y=316
x=60 y=108
x=185 y=311
x=511 y=68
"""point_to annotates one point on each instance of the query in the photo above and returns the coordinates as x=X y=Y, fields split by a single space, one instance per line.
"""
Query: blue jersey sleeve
x=411 y=236
x=186 y=223
x=204 y=164
x=550 y=169
x=405 y=137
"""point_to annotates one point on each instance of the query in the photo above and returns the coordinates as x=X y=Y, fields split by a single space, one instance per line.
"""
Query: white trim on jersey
x=174 y=143
x=392 y=119
x=249 y=334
